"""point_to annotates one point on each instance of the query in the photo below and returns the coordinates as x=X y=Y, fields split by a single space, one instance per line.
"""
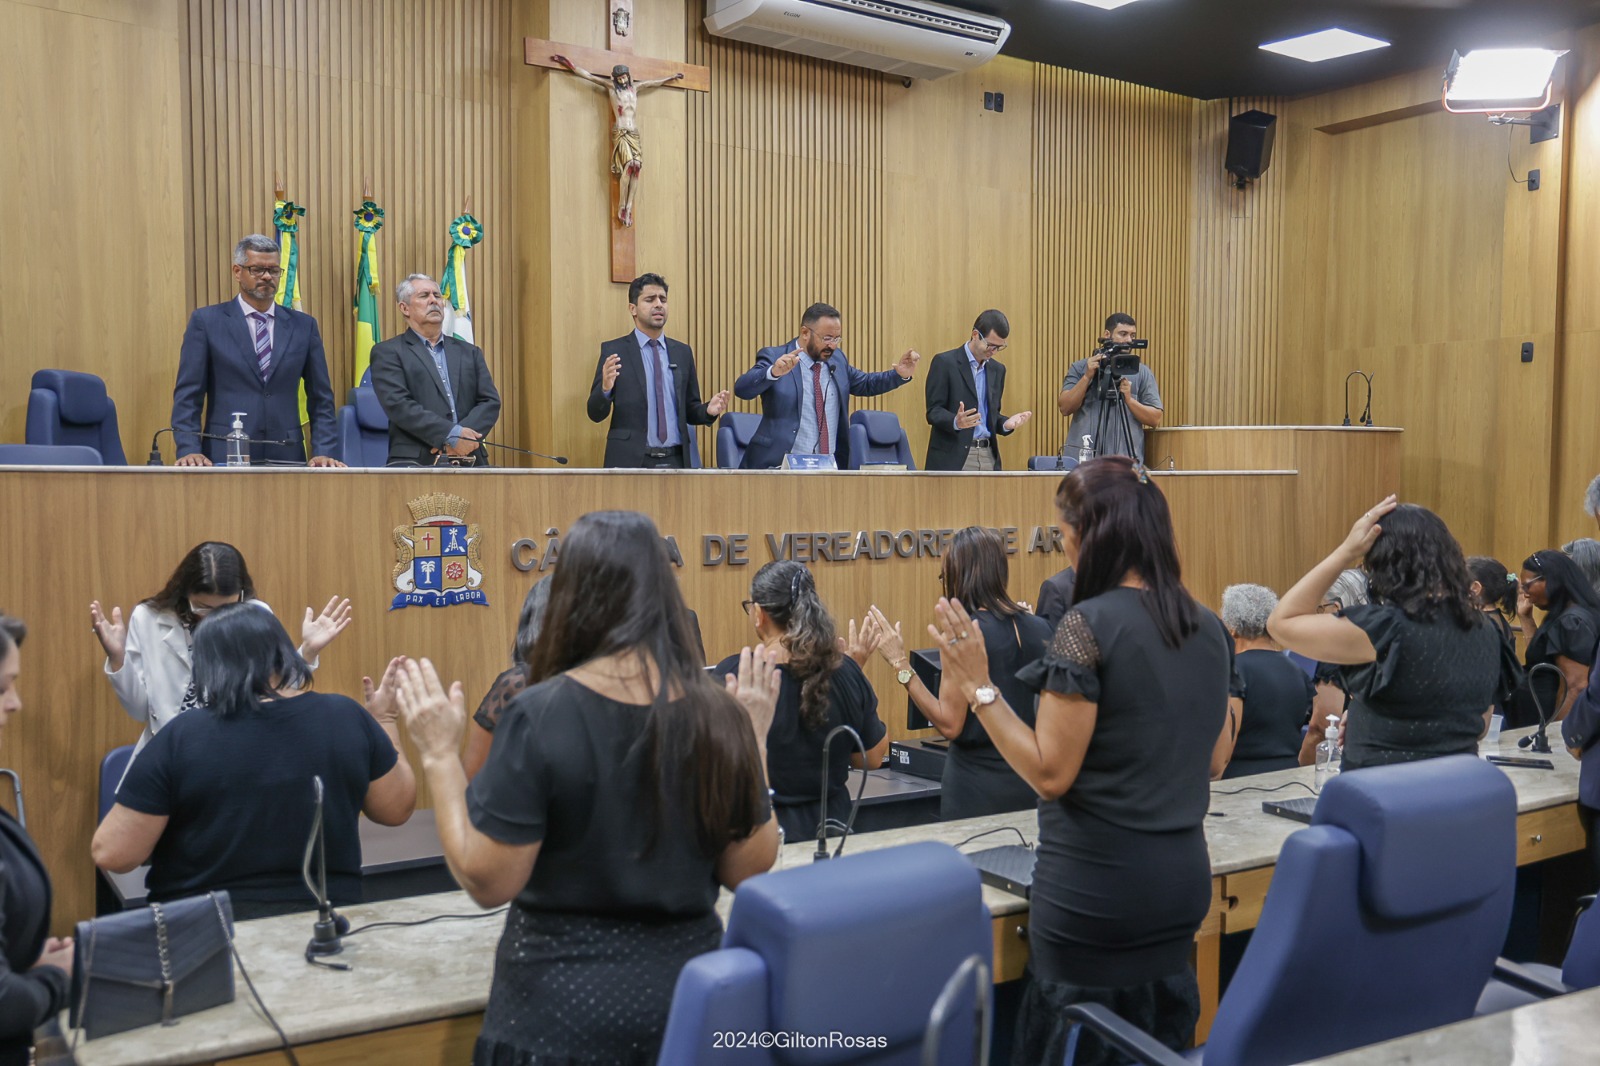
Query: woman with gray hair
x=1277 y=693
x=1586 y=553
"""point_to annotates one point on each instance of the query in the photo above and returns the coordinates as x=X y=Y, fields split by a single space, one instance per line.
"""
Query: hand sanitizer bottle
x=1330 y=754
x=1085 y=449
x=238 y=443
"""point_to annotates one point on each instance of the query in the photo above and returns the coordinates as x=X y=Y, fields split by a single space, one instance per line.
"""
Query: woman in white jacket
x=148 y=658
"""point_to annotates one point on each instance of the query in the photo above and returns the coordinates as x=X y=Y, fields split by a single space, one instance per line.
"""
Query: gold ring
x=965 y=634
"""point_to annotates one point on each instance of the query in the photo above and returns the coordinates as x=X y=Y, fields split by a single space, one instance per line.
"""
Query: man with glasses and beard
x=805 y=412
x=249 y=354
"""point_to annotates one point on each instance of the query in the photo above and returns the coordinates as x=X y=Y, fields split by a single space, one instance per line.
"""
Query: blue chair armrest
x=720 y=991
x=1128 y=1039
x=1526 y=980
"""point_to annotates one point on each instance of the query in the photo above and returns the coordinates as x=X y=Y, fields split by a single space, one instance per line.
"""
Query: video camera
x=1122 y=359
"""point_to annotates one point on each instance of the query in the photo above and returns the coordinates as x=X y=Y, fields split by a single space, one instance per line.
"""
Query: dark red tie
x=822 y=409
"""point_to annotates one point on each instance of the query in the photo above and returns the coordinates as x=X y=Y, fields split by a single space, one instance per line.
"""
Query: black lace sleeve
x=1071 y=664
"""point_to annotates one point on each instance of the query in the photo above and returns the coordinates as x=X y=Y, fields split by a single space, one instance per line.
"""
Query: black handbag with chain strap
x=152 y=965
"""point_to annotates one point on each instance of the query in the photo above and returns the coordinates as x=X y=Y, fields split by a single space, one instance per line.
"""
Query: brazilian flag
x=369 y=220
x=286 y=216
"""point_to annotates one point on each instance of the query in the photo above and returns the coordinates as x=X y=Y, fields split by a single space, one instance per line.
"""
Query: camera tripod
x=1107 y=387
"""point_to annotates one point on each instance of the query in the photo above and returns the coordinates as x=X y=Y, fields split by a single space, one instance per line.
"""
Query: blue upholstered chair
x=694 y=448
x=877 y=437
x=1383 y=919
x=1060 y=463
x=49 y=455
x=112 y=767
x=363 y=429
x=1519 y=984
x=862 y=946
x=68 y=407
x=734 y=431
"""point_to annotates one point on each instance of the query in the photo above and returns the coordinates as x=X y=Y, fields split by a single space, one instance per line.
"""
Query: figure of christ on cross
x=627 y=155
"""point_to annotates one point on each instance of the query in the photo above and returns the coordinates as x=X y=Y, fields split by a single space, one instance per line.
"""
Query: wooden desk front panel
x=117 y=534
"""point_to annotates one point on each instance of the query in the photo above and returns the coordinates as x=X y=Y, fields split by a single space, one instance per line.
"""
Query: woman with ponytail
x=821 y=688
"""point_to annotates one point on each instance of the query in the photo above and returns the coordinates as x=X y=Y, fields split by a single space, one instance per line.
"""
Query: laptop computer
x=1298 y=809
x=1009 y=867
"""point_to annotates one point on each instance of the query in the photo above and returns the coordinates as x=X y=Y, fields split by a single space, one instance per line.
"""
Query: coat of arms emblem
x=439 y=560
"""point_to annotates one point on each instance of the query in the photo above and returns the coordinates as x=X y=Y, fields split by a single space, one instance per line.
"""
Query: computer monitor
x=925 y=664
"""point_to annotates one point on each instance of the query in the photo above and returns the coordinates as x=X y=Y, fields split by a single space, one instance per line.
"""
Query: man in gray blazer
x=250 y=355
x=435 y=389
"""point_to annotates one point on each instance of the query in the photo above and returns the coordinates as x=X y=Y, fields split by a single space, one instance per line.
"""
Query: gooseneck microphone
x=155 y=451
x=1366 y=415
x=16 y=790
x=330 y=925
x=562 y=459
x=1537 y=741
x=824 y=823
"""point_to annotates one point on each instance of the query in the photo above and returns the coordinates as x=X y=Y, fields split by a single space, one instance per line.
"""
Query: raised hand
x=434 y=717
x=785 y=363
x=891 y=645
x=718 y=404
x=962 y=654
x=381 y=698
x=1366 y=531
x=318 y=630
x=861 y=642
x=1018 y=420
x=112 y=633
x=907 y=366
x=756 y=687
x=965 y=419
x=609 y=372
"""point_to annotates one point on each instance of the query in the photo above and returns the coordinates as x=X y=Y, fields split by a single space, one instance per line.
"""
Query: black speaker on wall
x=1250 y=136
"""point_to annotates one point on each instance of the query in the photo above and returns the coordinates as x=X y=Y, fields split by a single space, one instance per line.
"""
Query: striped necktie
x=263 y=339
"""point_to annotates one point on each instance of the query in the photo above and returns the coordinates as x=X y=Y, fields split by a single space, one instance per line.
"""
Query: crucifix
x=628 y=74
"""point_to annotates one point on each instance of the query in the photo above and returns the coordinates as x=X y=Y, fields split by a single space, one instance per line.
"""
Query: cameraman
x=1083 y=394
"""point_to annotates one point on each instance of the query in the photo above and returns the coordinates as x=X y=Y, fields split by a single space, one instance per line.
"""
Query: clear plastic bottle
x=238 y=443
x=1085 y=449
x=1330 y=754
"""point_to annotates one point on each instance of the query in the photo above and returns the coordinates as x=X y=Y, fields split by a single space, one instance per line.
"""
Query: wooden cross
x=620 y=34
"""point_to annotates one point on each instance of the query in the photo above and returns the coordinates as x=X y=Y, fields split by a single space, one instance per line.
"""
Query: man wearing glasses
x=965 y=386
x=249 y=354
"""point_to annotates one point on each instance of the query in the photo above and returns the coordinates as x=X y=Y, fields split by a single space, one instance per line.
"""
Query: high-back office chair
x=694 y=448
x=734 y=431
x=112 y=767
x=1383 y=919
x=859 y=945
x=49 y=455
x=1518 y=984
x=363 y=429
x=877 y=437
x=70 y=407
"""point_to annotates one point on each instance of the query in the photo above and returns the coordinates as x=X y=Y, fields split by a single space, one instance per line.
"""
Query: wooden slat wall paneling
x=412 y=95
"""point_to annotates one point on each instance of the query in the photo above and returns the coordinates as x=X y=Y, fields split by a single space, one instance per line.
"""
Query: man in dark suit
x=1055 y=596
x=805 y=412
x=249 y=354
x=646 y=383
x=435 y=389
x=965 y=387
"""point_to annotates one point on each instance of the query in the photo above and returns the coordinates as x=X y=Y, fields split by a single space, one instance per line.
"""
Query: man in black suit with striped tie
x=646 y=382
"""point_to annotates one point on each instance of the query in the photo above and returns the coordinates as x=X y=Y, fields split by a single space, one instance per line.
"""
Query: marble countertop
x=1556 y=1032
x=407 y=975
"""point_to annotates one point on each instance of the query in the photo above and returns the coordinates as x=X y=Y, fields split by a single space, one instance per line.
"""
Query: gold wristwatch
x=903 y=674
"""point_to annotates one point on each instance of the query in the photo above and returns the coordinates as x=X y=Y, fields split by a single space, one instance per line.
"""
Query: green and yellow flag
x=286 y=216
x=369 y=220
x=465 y=231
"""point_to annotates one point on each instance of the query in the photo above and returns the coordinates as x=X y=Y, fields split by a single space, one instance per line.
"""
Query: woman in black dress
x=623 y=787
x=1277 y=693
x=34 y=967
x=1421 y=664
x=1134 y=690
x=1494 y=592
x=1566 y=638
x=821 y=688
x=977 y=780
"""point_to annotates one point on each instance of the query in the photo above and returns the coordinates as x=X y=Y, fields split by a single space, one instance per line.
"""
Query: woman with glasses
x=148 y=657
x=1421 y=663
x=821 y=688
x=977 y=780
x=1566 y=638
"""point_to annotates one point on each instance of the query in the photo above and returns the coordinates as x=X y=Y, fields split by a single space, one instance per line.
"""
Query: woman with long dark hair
x=1133 y=691
x=977 y=780
x=623 y=786
x=820 y=688
x=222 y=798
x=35 y=967
x=1566 y=638
x=148 y=657
x=1422 y=665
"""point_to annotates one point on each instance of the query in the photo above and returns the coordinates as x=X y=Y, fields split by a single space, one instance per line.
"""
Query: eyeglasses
x=263 y=272
x=747 y=604
x=992 y=349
